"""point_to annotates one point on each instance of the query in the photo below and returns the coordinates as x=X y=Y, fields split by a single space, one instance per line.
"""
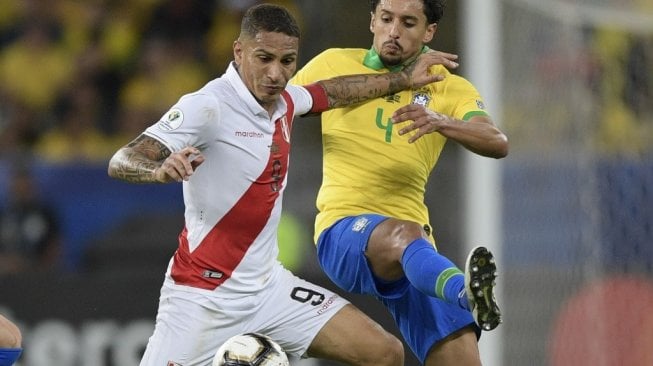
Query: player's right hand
x=180 y=165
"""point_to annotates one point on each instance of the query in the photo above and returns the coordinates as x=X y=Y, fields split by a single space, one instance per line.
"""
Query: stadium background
x=79 y=79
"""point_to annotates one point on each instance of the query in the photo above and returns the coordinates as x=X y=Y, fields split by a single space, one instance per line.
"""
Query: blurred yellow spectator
x=624 y=127
x=76 y=137
x=35 y=69
x=166 y=71
x=139 y=56
x=10 y=13
x=226 y=27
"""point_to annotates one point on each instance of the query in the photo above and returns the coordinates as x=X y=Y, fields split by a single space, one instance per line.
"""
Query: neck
x=373 y=60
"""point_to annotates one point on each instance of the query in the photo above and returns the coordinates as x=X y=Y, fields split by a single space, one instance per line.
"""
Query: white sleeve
x=188 y=123
x=302 y=99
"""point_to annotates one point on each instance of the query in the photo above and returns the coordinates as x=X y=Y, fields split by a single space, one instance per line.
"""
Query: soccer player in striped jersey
x=229 y=144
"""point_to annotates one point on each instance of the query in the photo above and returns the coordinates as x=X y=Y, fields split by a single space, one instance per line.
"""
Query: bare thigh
x=351 y=337
x=459 y=349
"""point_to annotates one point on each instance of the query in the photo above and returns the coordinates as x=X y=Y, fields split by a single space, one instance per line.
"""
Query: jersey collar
x=373 y=60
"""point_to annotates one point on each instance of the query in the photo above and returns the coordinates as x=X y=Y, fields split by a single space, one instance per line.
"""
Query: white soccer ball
x=250 y=349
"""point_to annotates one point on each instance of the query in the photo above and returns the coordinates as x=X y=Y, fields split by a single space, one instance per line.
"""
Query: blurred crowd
x=621 y=79
x=79 y=79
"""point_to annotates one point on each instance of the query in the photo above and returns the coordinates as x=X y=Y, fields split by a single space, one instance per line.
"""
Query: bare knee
x=387 y=244
x=10 y=336
x=403 y=232
x=382 y=350
x=390 y=352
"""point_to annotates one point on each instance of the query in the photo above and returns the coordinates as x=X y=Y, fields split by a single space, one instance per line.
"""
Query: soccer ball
x=250 y=349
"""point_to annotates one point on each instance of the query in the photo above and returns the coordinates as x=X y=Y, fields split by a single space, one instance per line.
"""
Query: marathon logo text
x=250 y=134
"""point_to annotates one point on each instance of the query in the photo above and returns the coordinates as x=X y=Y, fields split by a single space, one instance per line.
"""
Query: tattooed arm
x=351 y=89
x=147 y=160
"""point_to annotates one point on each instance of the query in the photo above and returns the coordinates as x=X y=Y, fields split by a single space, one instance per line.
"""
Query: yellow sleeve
x=462 y=99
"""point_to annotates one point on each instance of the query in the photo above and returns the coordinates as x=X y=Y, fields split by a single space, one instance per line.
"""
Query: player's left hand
x=423 y=120
x=418 y=71
x=180 y=165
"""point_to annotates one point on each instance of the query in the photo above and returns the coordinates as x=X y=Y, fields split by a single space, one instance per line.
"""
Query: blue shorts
x=9 y=355
x=422 y=320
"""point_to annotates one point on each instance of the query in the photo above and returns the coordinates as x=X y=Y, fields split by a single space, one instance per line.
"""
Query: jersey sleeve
x=308 y=99
x=321 y=67
x=466 y=100
x=187 y=123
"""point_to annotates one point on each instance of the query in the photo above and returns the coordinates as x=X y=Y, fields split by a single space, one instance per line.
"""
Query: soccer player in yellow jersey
x=372 y=230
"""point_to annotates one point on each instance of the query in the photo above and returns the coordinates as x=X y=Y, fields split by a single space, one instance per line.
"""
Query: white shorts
x=190 y=326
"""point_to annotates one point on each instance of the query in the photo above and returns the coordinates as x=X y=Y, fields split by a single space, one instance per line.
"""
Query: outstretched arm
x=345 y=90
x=147 y=160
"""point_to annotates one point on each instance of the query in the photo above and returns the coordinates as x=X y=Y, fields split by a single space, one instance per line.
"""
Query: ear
x=238 y=52
x=430 y=32
x=372 y=22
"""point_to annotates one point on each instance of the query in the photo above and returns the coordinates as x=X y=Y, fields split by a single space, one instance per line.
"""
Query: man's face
x=266 y=63
x=400 y=30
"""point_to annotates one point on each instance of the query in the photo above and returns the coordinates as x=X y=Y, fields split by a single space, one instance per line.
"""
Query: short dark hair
x=433 y=9
x=268 y=18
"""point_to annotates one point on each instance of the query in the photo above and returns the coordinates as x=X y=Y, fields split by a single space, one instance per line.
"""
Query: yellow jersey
x=367 y=166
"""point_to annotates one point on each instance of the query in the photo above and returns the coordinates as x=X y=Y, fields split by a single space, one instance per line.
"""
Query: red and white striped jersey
x=233 y=200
